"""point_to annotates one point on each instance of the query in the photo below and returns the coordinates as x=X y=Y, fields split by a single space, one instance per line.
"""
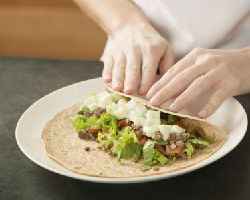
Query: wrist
x=129 y=26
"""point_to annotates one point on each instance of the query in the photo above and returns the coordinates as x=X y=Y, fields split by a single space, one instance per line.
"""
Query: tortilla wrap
x=63 y=145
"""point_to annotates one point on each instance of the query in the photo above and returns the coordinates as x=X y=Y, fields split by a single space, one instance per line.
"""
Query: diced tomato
x=177 y=150
x=161 y=148
x=94 y=130
x=123 y=122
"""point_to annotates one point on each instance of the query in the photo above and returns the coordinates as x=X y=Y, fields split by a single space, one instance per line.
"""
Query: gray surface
x=25 y=80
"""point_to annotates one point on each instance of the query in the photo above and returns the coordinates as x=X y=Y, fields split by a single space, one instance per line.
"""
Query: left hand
x=226 y=71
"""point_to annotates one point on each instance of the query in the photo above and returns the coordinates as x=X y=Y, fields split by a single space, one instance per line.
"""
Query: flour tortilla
x=63 y=145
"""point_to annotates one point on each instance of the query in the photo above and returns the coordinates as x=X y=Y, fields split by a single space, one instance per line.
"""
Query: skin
x=137 y=50
x=226 y=71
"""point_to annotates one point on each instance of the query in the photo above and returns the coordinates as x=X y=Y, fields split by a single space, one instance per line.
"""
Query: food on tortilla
x=113 y=135
x=129 y=129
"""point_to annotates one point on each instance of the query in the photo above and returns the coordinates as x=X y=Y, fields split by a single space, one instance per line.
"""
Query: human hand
x=135 y=54
x=227 y=72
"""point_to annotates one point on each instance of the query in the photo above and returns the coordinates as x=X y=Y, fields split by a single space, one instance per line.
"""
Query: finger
x=214 y=102
x=118 y=72
x=149 y=67
x=133 y=68
x=172 y=72
x=107 y=70
x=167 y=60
x=198 y=87
x=178 y=84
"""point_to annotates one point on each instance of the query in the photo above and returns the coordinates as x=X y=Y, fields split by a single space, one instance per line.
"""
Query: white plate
x=230 y=116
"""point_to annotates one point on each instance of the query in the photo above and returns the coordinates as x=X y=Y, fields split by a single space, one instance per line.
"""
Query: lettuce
x=197 y=141
x=151 y=156
x=189 y=150
x=204 y=136
x=79 y=123
x=172 y=118
x=207 y=138
x=127 y=145
x=85 y=109
x=105 y=122
x=106 y=142
x=108 y=121
x=190 y=146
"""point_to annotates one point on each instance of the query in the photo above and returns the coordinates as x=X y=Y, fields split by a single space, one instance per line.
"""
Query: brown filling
x=176 y=141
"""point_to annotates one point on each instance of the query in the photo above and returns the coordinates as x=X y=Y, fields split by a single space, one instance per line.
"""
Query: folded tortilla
x=63 y=145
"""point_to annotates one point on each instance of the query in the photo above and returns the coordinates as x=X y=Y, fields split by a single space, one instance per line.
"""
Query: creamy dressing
x=135 y=111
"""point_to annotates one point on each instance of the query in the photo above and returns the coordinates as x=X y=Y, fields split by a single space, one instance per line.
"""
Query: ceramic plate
x=231 y=117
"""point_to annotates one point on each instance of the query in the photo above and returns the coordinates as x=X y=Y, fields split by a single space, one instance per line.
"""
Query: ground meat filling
x=97 y=112
x=178 y=137
x=86 y=134
x=176 y=141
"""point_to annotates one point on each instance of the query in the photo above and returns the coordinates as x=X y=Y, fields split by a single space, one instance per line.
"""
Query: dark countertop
x=25 y=80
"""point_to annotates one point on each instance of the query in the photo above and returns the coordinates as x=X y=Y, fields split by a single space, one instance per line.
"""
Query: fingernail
x=203 y=114
x=117 y=84
x=129 y=87
x=107 y=78
x=142 y=91
x=154 y=102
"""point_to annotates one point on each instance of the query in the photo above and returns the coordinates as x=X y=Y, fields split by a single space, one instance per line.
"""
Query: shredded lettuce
x=106 y=142
x=208 y=139
x=108 y=121
x=152 y=156
x=127 y=145
x=190 y=146
x=189 y=150
x=204 y=136
x=105 y=122
x=85 y=109
x=172 y=118
x=197 y=141
x=79 y=123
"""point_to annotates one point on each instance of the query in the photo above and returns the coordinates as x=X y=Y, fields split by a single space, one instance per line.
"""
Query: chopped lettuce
x=79 y=123
x=172 y=118
x=189 y=150
x=105 y=122
x=207 y=138
x=108 y=121
x=106 y=142
x=152 y=156
x=190 y=146
x=85 y=109
x=197 y=141
x=204 y=136
x=127 y=145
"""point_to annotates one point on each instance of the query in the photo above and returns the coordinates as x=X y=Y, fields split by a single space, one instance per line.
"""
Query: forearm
x=112 y=15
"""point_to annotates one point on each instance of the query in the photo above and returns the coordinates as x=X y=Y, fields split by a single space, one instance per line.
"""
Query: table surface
x=25 y=80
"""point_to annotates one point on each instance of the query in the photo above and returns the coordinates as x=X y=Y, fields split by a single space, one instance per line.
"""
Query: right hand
x=135 y=54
